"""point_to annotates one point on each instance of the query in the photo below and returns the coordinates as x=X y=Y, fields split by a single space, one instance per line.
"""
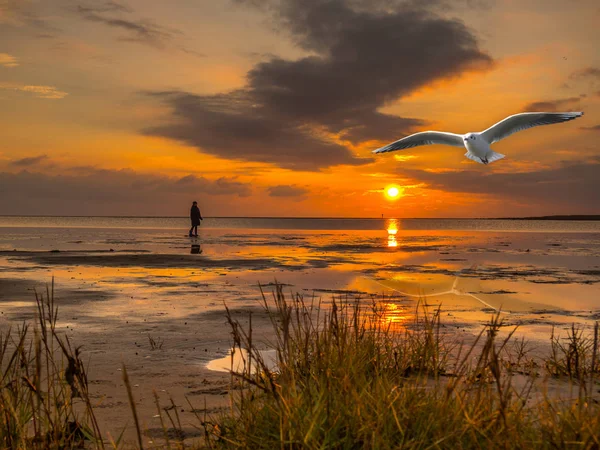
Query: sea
x=537 y=272
x=301 y=223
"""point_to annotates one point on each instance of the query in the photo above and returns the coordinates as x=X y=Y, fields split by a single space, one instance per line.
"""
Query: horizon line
x=306 y=217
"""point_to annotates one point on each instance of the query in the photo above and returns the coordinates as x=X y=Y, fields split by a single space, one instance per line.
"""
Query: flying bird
x=478 y=144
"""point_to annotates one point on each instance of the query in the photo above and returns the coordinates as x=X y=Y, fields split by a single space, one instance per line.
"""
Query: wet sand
x=116 y=289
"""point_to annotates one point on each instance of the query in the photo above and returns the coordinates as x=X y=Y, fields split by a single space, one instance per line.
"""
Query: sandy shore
x=112 y=334
x=115 y=294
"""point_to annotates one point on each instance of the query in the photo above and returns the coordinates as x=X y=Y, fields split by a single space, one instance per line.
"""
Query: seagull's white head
x=469 y=137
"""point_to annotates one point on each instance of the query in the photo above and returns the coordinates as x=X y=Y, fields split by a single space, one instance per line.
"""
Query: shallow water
x=299 y=223
x=238 y=361
x=535 y=272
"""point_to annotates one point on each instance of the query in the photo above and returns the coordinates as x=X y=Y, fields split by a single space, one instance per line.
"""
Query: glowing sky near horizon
x=138 y=107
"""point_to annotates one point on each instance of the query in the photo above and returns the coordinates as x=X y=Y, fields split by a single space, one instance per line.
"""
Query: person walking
x=196 y=217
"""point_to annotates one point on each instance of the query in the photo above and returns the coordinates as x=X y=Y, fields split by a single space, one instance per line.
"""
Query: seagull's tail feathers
x=472 y=157
x=491 y=157
x=494 y=157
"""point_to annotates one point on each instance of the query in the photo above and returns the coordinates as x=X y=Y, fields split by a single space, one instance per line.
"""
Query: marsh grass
x=44 y=400
x=346 y=377
x=155 y=344
x=574 y=356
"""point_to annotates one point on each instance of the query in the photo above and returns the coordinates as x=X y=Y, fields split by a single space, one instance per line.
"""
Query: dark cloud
x=141 y=31
x=23 y=13
x=561 y=104
x=592 y=128
x=90 y=191
x=574 y=184
x=361 y=59
x=220 y=186
x=588 y=72
x=27 y=162
x=236 y=130
x=118 y=16
x=103 y=7
x=147 y=32
x=287 y=191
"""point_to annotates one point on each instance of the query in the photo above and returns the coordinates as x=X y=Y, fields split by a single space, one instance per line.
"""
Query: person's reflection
x=196 y=249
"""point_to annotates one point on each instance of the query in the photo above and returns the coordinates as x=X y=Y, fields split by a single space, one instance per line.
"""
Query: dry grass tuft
x=345 y=378
x=44 y=400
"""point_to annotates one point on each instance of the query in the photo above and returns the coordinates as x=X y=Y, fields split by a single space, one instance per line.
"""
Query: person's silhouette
x=196 y=217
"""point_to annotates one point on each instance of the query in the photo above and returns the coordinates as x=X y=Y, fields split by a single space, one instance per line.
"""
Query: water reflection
x=392 y=229
x=237 y=361
x=392 y=314
x=196 y=249
x=465 y=291
x=392 y=226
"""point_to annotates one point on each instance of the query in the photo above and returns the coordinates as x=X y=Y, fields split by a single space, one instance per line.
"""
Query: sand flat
x=117 y=288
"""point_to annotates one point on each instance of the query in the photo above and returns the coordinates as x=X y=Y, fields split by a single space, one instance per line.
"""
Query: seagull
x=478 y=144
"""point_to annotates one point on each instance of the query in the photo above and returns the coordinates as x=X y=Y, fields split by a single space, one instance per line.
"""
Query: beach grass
x=44 y=401
x=348 y=376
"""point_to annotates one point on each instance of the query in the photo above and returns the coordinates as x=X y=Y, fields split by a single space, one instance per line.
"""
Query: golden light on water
x=392 y=242
x=392 y=229
x=392 y=226
x=393 y=314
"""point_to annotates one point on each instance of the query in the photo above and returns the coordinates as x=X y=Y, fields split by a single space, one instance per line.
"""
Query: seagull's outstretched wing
x=518 y=122
x=423 y=138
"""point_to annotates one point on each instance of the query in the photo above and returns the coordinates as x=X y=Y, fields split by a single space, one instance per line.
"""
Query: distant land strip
x=564 y=217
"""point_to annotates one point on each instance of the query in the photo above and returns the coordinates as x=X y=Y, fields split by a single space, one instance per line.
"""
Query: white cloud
x=39 y=91
x=7 y=60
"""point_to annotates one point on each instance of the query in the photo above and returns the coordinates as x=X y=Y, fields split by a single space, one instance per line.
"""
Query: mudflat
x=141 y=298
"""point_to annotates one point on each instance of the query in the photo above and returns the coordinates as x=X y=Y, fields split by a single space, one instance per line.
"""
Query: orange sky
x=138 y=107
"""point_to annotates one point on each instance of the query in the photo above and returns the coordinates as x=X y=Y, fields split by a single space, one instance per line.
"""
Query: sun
x=392 y=192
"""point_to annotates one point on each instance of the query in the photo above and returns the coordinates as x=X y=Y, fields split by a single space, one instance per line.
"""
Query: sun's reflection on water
x=392 y=229
x=392 y=242
x=392 y=314
x=392 y=226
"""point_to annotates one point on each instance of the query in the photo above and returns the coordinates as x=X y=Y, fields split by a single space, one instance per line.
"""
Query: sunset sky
x=272 y=107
